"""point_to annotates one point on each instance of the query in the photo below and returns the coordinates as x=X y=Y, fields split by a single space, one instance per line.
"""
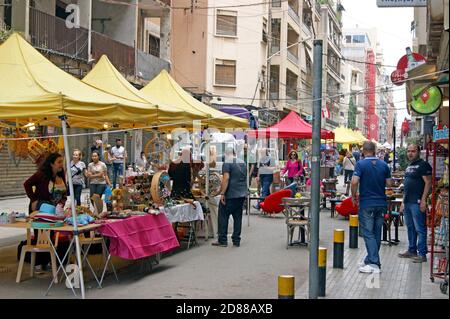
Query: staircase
x=13 y=174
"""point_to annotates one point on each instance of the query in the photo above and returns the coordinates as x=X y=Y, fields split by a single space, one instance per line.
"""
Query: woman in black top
x=180 y=173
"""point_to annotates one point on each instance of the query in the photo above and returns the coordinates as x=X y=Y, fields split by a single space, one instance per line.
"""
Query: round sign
x=398 y=77
x=427 y=101
x=403 y=62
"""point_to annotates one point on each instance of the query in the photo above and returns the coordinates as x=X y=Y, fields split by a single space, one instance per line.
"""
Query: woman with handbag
x=78 y=171
x=294 y=167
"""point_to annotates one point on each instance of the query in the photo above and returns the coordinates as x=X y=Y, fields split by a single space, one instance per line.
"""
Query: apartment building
x=361 y=49
x=330 y=31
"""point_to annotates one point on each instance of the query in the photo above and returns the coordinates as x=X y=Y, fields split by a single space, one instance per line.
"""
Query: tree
x=351 y=114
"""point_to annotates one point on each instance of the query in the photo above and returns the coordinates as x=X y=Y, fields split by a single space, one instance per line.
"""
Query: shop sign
x=401 y=3
x=440 y=135
x=426 y=101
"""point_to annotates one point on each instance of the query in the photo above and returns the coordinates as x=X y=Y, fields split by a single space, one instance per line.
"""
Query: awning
x=38 y=90
x=164 y=88
x=292 y=126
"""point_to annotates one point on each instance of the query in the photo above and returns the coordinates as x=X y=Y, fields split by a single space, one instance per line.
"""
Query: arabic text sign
x=401 y=3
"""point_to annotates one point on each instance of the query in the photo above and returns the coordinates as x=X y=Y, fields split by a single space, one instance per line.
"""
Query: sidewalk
x=400 y=277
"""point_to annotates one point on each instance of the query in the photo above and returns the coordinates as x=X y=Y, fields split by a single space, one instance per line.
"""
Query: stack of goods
x=38 y=150
x=47 y=217
x=19 y=147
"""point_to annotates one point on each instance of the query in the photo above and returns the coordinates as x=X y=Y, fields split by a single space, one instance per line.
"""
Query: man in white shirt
x=118 y=156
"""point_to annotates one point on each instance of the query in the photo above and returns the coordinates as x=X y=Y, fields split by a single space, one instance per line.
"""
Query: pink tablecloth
x=140 y=236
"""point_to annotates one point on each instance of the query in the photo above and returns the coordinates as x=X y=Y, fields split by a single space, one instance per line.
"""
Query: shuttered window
x=225 y=72
x=226 y=23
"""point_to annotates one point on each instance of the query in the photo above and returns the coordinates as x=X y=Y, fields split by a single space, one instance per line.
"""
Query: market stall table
x=186 y=213
x=66 y=228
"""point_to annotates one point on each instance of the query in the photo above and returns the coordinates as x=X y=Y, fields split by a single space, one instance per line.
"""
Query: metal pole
x=124 y=180
x=315 y=172
x=394 y=133
x=72 y=205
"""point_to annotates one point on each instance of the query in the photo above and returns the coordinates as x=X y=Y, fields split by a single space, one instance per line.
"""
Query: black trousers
x=233 y=207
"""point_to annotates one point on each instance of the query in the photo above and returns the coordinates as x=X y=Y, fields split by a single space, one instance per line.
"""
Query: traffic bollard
x=286 y=287
x=338 y=249
x=353 y=233
x=322 y=260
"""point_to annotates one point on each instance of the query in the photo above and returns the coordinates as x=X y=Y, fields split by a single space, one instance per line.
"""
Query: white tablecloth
x=184 y=213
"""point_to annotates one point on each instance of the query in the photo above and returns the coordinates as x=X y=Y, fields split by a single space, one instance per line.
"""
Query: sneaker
x=219 y=244
x=419 y=259
x=362 y=263
x=407 y=254
x=367 y=269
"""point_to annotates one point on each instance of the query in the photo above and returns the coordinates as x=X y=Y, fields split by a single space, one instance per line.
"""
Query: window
x=274 y=81
x=348 y=39
x=359 y=38
x=153 y=45
x=226 y=23
x=276 y=3
x=276 y=35
x=264 y=30
x=7 y=13
x=225 y=72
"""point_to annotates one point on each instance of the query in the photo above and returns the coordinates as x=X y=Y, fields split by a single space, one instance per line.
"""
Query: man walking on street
x=233 y=193
x=118 y=157
x=372 y=175
x=417 y=187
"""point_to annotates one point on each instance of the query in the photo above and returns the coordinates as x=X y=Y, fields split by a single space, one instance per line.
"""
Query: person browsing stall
x=118 y=157
x=294 y=167
x=180 y=172
x=97 y=173
x=233 y=192
x=417 y=186
x=78 y=171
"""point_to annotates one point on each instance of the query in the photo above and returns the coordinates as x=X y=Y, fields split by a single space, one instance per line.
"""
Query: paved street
x=250 y=271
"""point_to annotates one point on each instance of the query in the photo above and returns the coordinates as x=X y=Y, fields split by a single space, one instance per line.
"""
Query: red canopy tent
x=292 y=126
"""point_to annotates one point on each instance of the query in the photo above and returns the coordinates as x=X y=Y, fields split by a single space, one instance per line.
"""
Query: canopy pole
x=248 y=187
x=72 y=205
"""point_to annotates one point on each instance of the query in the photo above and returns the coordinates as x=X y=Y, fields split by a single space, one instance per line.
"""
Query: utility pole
x=315 y=171
x=269 y=49
x=394 y=136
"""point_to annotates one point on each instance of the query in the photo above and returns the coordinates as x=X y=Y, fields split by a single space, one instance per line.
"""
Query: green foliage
x=351 y=114
x=402 y=159
x=5 y=32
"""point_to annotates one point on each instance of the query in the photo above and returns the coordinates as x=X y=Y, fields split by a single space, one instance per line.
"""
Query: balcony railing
x=307 y=29
x=292 y=57
x=50 y=33
x=294 y=15
x=121 y=55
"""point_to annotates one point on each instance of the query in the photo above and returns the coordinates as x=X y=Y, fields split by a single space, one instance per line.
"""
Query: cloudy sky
x=394 y=35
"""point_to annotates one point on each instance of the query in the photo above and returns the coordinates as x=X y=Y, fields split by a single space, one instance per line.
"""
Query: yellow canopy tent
x=361 y=137
x=34 y=89
x=164 y=88
x=105 y=77
x=344 y=136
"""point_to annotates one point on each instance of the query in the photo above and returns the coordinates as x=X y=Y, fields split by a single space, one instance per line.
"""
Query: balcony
x=49 y=33
x=121 y=55
x=292 y=57
x=307 y=29
x=294 y=15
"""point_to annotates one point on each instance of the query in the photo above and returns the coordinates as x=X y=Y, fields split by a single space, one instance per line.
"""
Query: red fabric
x=272 y=203
x=346 y=208
x=292 y=126
x=140 y=236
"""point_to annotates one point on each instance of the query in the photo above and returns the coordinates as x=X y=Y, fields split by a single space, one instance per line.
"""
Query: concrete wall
x=123 y=26
x=189 y=46
x=150 y=66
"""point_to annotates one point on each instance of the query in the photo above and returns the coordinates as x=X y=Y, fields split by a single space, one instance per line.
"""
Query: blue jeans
x=77 y=189
x=117 y=171
x=233 y=207
x=109 y=168
x=371 y=221
x=266 y=180
x=415 y=222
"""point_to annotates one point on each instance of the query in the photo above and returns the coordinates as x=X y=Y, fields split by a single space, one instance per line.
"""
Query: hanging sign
x=426 y=101
x=406 y=62
x=401 y=3
x=440 y=134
